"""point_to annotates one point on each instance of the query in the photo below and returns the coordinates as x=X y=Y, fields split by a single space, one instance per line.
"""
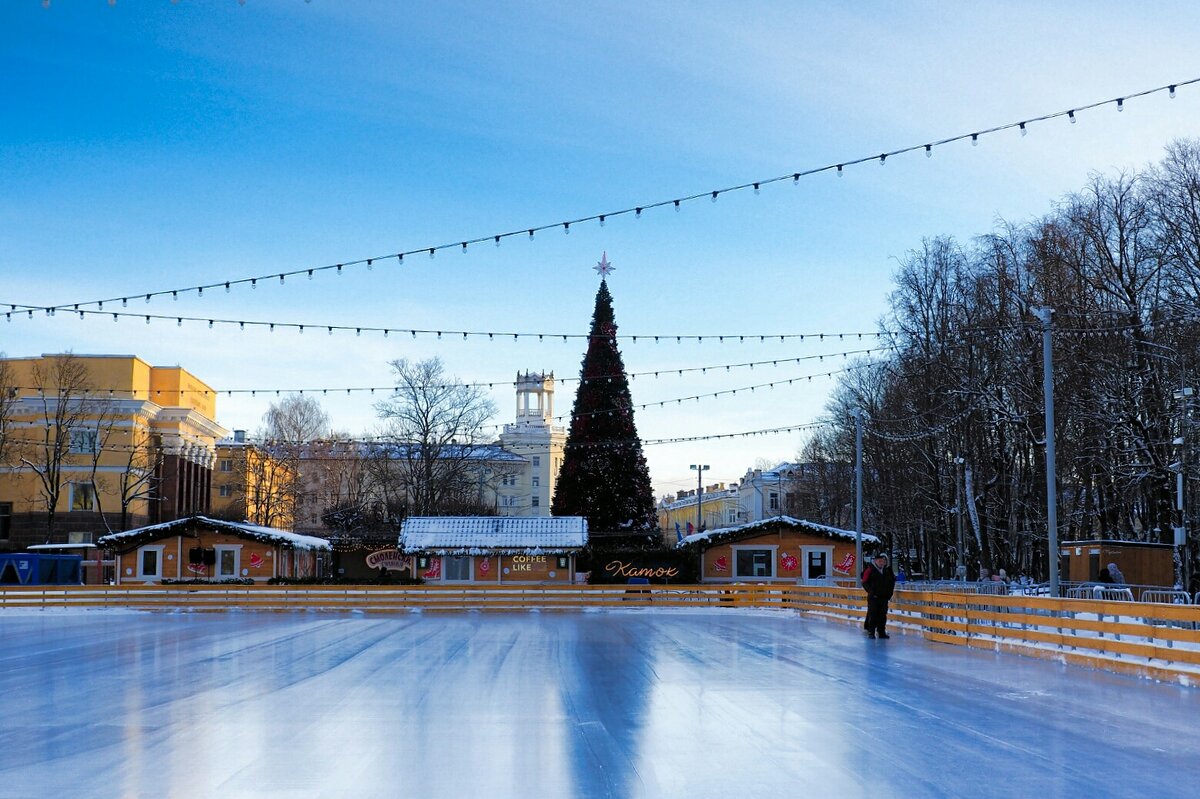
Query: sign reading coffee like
x=619 y=568
x=527 y=563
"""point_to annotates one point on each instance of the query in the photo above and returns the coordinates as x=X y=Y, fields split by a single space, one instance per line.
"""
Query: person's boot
x=882 y=634
x=870 y=633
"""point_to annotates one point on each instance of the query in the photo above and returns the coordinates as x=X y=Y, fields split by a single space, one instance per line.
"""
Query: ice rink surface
x=621 y=704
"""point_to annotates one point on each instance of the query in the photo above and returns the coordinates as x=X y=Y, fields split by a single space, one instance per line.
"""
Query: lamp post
x=700 y=470
x=1046 y=316
x=1183 y=396
x=960 y=570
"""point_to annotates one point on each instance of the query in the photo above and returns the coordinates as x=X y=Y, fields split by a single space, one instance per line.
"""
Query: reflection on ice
x=622 y=704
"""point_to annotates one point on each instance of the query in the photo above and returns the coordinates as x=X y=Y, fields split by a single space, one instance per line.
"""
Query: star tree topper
x=603 y=267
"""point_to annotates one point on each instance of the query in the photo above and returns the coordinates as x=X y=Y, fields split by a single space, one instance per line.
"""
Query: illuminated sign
x=528 y=563
x=390 y=559
x=619 y=568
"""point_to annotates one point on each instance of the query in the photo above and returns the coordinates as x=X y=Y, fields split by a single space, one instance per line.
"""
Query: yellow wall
x=264 y=488
x=125 y=413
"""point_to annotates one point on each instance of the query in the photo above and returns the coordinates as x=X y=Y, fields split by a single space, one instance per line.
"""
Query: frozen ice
x=704 y=703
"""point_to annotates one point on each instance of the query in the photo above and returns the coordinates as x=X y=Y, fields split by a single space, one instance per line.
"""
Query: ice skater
x=879 y=582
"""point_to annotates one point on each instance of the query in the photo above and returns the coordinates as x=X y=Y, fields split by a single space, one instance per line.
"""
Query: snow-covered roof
x=749 y=529
x=254 y=532
x=481 y=535
x=52 y=547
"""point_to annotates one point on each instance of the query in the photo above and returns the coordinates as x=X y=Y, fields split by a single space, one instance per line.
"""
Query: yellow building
x=100 y=443
x=718 y=508
x=252 y=484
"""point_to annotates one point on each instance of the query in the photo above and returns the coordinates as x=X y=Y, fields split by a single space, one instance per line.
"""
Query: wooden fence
x=1152 y=639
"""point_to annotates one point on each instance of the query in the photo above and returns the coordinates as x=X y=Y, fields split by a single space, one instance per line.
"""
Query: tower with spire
x=535 y=437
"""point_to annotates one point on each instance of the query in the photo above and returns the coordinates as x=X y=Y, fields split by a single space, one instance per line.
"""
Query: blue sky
x=153 y=145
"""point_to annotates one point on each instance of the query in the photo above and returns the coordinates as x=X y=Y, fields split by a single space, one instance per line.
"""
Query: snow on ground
x=704 y=703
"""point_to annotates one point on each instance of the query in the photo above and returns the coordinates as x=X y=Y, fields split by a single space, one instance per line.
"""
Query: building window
x=228 y=561
x=508 y=502
x=537 y=461
x=751 y=562
x=537 y=502
x=509 y=480
x=537 y=481
x=773 y=500
x=226 y=465
x=83 y=497
x=732 y=517
x=456 y=569
x=225 y=491
x=150 y=562
x=5 y=520
x=84 y=442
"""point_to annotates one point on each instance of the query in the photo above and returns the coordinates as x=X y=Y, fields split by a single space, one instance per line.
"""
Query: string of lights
x=921 y=434
x=18 y=310
x=637 y=211
x=340 y=390
x=353 y=447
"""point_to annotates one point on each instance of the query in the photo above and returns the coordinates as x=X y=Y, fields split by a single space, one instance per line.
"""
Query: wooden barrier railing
x=1157 y=640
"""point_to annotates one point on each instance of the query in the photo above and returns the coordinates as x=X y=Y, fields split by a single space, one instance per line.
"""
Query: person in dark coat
x=879 y=582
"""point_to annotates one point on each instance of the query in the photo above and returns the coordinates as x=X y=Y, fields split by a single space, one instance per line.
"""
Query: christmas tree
x=604 y=476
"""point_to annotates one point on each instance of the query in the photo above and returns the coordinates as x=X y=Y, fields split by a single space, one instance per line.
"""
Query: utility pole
x=1183 y=396
x=1046 y=315
x=858 y=491
x=700 y=469
x=960 y=570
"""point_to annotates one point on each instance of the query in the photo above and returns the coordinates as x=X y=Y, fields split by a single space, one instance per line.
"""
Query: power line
x=638 y=210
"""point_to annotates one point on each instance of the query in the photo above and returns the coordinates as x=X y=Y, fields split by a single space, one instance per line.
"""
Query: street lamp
x=961 y=566
x=700 y=470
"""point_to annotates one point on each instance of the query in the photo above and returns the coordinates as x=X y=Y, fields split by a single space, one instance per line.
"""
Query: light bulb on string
x=929 y=151
x=882 y=158
x=566 y=228
x=1071 y=116
x=254 y=283
x=1171 y=91
x=756 y=189
x=1024 y=130
x=1120 y=103
x=601 y=220
x=840 y=172
x=974 y=139
x=370 y=264
x=714 y=195
x=677 y=206
x=432 y=252
x=497 y=240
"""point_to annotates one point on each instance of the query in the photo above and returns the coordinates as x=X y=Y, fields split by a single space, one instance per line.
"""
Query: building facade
x=253 y=484
x=535 y=437
x=677 y=515
x=100 y=443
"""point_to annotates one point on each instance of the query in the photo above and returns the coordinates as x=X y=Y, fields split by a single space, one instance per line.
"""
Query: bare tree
x=433 y=427
x=270 y=471
x=9 y=394
x=63 y=386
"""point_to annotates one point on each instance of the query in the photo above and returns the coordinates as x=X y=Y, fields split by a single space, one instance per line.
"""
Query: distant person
x=901 y=577
x=1115 y=573
x=880 y=583
x=1000 y=577
x=1104 y=577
